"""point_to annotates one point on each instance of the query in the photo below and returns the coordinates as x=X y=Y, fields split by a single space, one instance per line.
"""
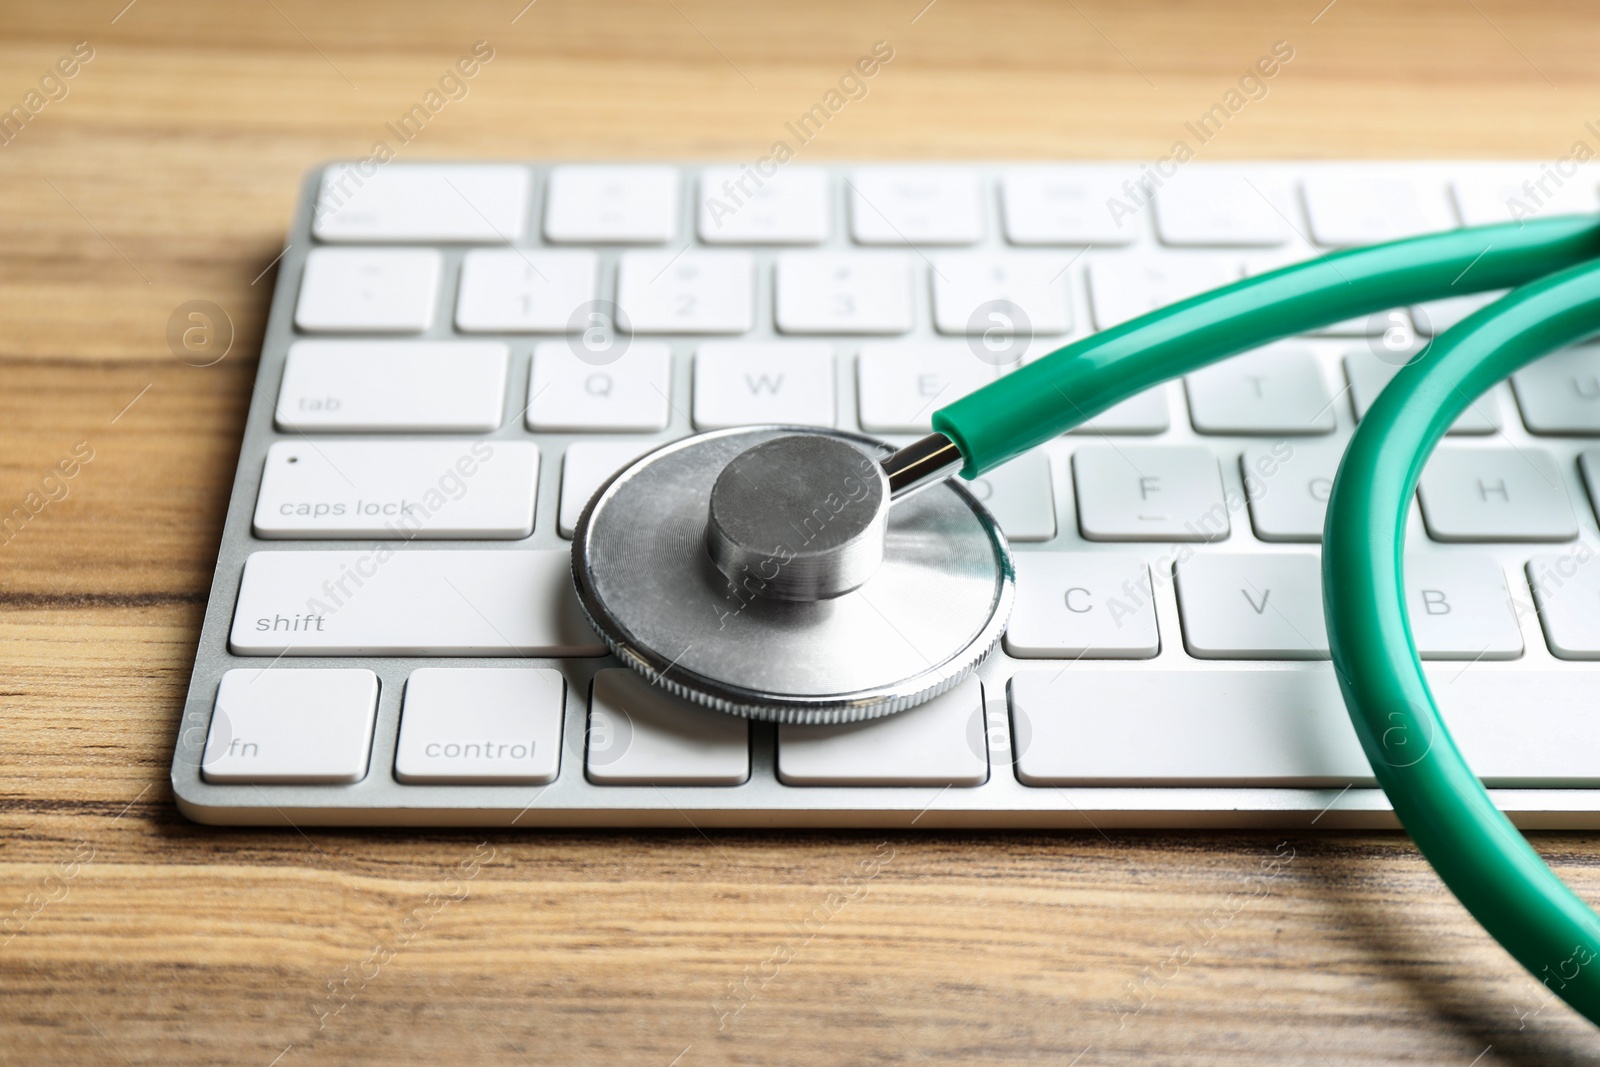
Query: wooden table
x=166 y=174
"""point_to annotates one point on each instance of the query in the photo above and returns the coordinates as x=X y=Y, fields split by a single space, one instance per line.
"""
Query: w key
x=736 y=384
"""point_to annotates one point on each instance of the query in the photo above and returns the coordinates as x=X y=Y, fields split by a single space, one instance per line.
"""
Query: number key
x=686 y=292
x=1021 y=295
x=850 y=292
x=368 y=290
x=1125 y=287
x=517 y=291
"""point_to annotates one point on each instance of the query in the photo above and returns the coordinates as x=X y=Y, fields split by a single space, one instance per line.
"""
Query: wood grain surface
x=167 y=172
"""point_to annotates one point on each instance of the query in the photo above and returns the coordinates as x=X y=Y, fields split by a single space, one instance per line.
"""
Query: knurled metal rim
x=820 y=709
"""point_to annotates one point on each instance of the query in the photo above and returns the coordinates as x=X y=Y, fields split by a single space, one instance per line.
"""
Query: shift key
x=389 y=601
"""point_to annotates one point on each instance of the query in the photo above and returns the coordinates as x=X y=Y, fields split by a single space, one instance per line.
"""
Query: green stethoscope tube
x=1043 y=399
x=1476 y=851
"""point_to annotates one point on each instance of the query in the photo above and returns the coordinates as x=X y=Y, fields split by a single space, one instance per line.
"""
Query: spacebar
x=410 y=602
x=1086 y=726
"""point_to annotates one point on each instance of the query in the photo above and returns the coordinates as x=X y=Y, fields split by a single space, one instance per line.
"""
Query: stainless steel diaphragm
x=763 y=572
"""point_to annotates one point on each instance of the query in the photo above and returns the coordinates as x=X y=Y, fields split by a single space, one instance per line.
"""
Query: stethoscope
x=817 y=576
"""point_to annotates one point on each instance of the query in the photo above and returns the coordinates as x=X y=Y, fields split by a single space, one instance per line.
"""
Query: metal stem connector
x=921 y=464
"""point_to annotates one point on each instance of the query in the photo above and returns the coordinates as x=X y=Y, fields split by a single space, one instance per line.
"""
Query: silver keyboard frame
x=762 y=801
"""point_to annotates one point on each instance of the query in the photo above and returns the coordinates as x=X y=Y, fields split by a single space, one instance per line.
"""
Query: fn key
x=298 y=725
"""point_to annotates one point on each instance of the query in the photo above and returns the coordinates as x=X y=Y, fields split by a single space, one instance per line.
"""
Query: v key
x=1260 y=607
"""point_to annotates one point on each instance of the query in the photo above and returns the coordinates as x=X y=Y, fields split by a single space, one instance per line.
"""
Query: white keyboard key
x=414 y=490
x=1354 y=209
x=1368 y=373
x=969 y=292
x=1275 y=390
x=1437 y=316
x=1189 y=728
x=523 y=291
x=612 y=204
x=1019 y=496
x=737 y=383
x=1524 y=728
x=1149 y=493
x=1220 y=209
x=1460 y=608
x=1560 y=394
x=902 y=385
x=1516 y=195
x=1495 y=494
x=481 y=725
x=1252 y=606
x=1288 y=484
x=368 y=290
x=1515 y=727
x=844 y=292
x=1066 y=206
x=411 y=602
x=639 y=734
x=1566 y=587
x=628 y=393
x=480 y=202
x=1589 y=467
x=915 y=206
x=940 y=743
x=1073 y=605
x=686 y=292
x=1143 y=413
x=393 y=386
x=740 y=206
x=291 y=725
x=585 y=468
x=1125 y=287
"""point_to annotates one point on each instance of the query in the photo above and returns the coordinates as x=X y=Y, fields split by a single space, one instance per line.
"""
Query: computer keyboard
x=459 y=354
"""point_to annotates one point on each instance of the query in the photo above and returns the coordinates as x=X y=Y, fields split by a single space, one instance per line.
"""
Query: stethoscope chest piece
x=762 y=571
